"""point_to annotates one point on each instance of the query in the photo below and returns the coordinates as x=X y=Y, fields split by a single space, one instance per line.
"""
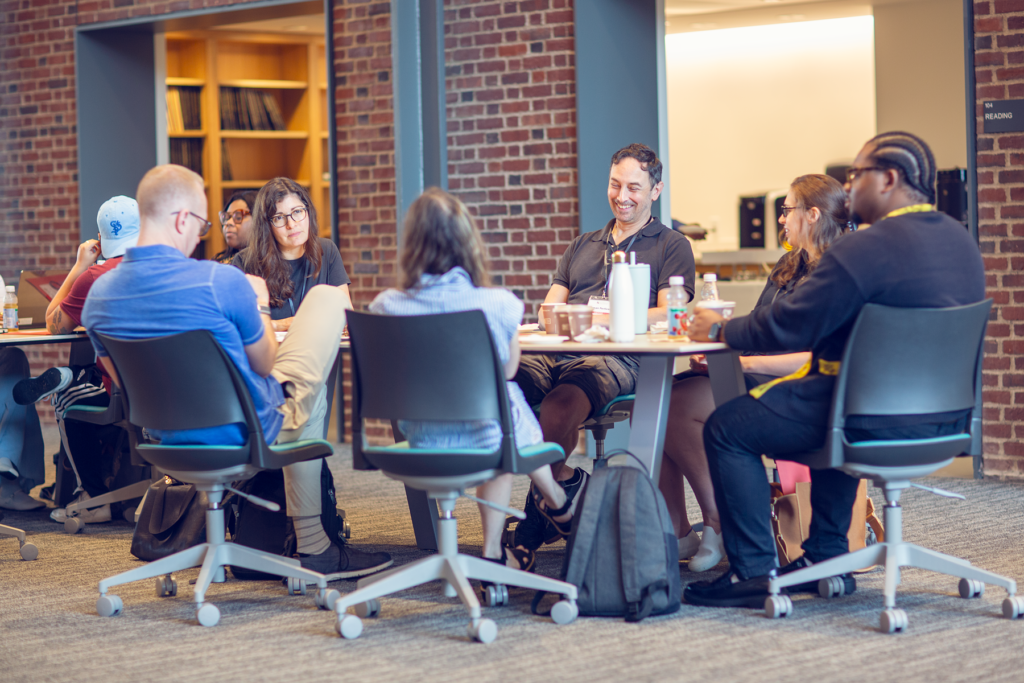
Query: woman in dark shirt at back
x=285 y=250
x=814 y=216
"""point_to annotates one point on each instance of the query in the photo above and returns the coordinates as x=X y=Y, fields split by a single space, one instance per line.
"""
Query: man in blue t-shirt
x=158 y=291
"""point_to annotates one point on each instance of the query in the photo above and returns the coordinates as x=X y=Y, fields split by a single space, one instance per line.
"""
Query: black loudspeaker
x=951 y=193
x=752 y=222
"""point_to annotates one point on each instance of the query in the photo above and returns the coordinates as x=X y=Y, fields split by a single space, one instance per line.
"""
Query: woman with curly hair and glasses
x=285 y=249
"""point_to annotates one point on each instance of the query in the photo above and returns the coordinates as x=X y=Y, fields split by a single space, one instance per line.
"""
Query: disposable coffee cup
x=547 y=318
x=580 y=319
x=723 y=308
x=561 y=317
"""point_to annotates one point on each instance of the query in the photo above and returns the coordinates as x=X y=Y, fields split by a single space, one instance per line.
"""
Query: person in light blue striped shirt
x=444 y=270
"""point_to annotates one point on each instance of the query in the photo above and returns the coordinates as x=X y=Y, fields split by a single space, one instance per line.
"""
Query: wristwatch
x=264 y=310
x=715 y=332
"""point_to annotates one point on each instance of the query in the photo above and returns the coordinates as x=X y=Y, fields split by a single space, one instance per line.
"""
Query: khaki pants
x=304 y=359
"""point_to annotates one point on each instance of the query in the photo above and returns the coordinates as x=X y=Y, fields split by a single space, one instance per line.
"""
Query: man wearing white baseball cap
x=91 y=446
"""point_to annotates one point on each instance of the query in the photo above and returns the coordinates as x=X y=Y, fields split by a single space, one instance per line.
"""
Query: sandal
x=524 y=558
x=572 y=488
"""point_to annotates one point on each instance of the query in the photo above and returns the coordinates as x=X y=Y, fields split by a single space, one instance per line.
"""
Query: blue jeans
x=21 y=439
x=735 y=437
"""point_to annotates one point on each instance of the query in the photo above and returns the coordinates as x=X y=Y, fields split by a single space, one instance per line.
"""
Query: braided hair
x=911 y=157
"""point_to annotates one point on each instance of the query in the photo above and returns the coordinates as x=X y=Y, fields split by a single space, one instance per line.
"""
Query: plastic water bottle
x=677 y=300
x=709 y=292
x=10 y=309
x=620 y=299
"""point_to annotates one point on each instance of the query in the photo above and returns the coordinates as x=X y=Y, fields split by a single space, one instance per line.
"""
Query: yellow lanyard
x=913 y=208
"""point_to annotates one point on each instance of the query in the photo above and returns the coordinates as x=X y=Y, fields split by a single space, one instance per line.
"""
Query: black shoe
x=849 y=583
x=722 y=592
x=532 y=532
x=30 y=390
x=345 y=562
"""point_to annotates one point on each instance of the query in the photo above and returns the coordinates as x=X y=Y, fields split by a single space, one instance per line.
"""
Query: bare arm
x=777 y=366
x=557 y=295
x=263 y=352
x=56 y=322
x=659 y=314
x=512 y=366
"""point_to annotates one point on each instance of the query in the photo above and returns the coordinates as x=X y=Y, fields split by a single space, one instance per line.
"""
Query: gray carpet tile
x=49 y=629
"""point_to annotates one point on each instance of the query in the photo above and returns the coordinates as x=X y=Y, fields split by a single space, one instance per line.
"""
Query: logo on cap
x=115 y=227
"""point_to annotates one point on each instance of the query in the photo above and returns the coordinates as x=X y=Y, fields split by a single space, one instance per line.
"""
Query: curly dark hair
x=645 y=155
x=263 y=255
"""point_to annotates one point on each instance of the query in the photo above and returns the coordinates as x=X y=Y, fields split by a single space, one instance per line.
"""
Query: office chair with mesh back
x=186 y=381
x=903 y=361
x=439 y=368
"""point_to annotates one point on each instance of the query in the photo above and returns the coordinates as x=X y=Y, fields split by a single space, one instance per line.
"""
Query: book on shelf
x=183 y=109
x=249 y=109
x=225 y=162
x=188 y=152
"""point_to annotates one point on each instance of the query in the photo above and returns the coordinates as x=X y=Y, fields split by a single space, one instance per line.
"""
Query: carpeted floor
x=49 y=629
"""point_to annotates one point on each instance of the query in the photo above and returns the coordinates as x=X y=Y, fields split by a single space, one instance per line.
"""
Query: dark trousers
x=735 y=437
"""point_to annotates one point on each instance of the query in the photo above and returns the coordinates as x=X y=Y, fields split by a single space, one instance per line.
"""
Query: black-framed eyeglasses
x=854 y=171
x=234 y=216
x=278 y=220
x=786 y=210
x=206 y=225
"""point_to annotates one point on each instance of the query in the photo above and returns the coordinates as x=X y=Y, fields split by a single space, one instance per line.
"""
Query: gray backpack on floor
x=622 y=554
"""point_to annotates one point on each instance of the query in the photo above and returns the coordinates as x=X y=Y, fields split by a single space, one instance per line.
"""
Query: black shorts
x=601 y=378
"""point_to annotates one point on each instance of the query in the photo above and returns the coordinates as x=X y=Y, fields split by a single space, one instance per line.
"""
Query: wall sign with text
x=1004 y=116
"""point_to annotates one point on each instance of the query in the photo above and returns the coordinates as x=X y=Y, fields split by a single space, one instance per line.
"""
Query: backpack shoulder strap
x=583 y=540
x=628 y=536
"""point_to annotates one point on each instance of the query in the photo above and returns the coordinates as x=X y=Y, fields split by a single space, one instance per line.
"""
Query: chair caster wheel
x=72 y=525
x=368 y=609
x=832 y=587
x=778 y=606
x=166 y=586
x=893 y=621
x=1013 y=607
x=109 y=606
x=326 y=597
x=971 y=588
x=493 y=595
x=564 y=612
x=207 y=614
x=483 y=630
x=349 y=626
x=296 y=586
x=29 y=552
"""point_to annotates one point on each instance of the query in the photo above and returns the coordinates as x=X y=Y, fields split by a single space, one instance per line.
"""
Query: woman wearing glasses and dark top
x=285 y=249
x=236 y=222
x=813 y=217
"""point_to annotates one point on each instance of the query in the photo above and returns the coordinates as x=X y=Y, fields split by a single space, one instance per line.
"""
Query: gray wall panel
x=616 y=94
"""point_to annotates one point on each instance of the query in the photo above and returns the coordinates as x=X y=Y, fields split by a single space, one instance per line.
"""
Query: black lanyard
x=302 y=294
x=608 y=258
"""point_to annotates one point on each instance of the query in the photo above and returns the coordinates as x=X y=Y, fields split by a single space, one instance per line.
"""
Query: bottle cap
x=619 y=257
x=676 y=281
x=10 y=288
x=710 y=277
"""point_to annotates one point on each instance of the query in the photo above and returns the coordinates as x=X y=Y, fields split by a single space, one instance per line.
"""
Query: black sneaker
x=849 y=583
x=724 y=592
x=34 y=389
x=345 y=562
x=532 y=532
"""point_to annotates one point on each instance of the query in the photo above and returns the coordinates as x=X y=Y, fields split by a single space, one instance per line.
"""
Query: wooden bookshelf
x=291 y=69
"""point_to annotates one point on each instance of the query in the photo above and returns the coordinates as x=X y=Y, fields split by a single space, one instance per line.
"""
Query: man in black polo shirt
x=912 y=256
x=569 y=388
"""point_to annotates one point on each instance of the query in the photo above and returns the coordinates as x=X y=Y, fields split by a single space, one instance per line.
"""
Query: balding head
x=164 y=194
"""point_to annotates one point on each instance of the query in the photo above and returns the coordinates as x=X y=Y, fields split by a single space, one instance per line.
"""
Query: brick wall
x=999 y=68
x=511 y=115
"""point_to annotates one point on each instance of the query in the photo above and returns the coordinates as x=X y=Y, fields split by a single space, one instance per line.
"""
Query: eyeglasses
x=234 y=216
x=786 y=210
x=853 y=171
x=206 y=225
x=278 y=220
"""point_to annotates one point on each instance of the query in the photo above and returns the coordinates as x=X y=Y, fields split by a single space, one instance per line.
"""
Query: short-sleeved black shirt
x=584 y=268
x=332 y=272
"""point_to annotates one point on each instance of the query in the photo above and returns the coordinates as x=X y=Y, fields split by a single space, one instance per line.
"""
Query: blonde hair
x=439 y=235
x=166 y=189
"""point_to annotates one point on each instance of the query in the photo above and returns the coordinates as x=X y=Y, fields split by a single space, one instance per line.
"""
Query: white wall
x=919 y=62
x=752 y=108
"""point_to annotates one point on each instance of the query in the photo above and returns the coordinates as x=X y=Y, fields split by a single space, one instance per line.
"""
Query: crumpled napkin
x=597 y=333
